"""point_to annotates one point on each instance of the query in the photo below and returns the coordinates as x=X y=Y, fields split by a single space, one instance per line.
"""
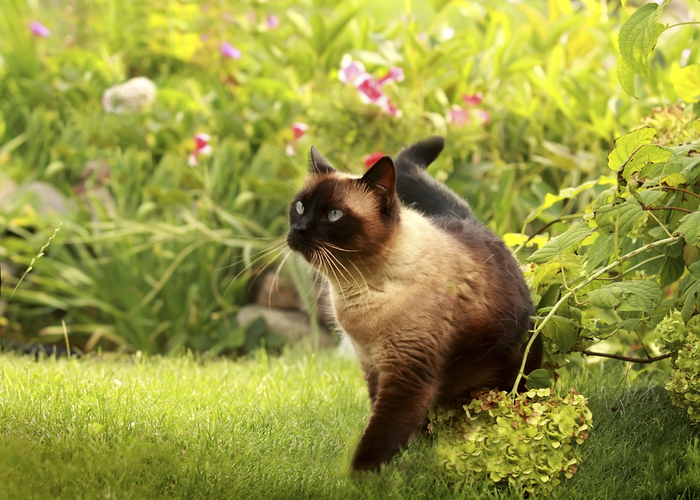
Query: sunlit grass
x=283 y=428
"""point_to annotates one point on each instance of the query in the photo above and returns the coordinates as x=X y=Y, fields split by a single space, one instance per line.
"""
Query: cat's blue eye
x=299 y=206
x=334 y=215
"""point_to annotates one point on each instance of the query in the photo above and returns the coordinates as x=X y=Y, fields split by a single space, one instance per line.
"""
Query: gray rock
x=293 y=325
x=45 y=198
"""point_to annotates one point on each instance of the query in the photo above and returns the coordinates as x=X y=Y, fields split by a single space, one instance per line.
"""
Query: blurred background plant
x=168 y=136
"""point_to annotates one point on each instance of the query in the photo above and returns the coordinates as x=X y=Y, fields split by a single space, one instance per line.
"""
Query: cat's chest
x=397 y=310
x=364 y=316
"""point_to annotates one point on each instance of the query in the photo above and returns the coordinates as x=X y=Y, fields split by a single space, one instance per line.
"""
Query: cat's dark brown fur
x=433 y=302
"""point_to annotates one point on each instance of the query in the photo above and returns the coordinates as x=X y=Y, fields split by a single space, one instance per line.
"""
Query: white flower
x=132 y=96
x=448 y=33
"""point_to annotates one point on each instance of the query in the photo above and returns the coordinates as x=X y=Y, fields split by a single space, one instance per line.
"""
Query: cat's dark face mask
x=321 y=225
x=337 y=217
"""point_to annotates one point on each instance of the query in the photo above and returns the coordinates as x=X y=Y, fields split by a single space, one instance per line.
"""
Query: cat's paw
x=363 y=465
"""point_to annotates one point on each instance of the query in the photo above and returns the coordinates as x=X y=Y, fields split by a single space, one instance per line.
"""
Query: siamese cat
x=433 y=302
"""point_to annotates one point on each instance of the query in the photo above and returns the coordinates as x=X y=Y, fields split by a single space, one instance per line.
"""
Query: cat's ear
x=318 y=164
x=381 y=179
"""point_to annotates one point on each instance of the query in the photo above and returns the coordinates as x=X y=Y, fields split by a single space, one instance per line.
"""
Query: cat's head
x=338 y=216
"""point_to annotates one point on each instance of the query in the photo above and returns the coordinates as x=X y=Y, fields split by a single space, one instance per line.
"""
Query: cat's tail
x=417 y=189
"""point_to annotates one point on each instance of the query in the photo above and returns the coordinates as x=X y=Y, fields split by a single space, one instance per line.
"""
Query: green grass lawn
x=286 y=427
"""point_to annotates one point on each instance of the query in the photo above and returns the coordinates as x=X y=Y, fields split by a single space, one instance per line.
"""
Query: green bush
x=543 y=69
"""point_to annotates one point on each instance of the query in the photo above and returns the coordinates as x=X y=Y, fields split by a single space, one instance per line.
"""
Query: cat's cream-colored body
x=411 y=299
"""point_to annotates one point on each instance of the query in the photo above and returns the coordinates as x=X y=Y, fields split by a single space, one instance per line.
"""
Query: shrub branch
x=626 y=358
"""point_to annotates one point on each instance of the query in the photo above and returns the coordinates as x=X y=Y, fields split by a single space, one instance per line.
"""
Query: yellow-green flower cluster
x=527 y=440
x=682 y=339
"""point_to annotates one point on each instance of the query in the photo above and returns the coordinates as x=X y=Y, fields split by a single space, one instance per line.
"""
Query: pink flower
x=350 y=70
x=368 y=89
x=299 y=129
x=458 y=116
x=201 y=147
x=373 y=158
x=228 y=50
x=39 y=29
x=272 y=22
x=392 y=110
x=473 y=99
x=395 y=74
x=483 y=116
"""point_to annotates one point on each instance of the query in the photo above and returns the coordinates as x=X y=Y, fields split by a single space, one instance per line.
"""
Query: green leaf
x=600 y=251
x=648 y=153
x=633 y=295
x=691 y=300
x=637 y=39
x=538 y=379
x=671 y=271
x=568 y=193
x=694 y=269
x=623 y=216
x=674 y=180
x=689 y=226
x=626 y=145
x=625 y=76
x=686 y=82
x=648 y=197
x=567 y=242
x=562 y=331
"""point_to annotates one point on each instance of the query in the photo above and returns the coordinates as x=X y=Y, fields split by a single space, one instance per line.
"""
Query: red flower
x=373 y=158
x=458 y=116
x=201 y=147
x=299 y=129
x=369 y=90
x=395 y=74
x=473 y=99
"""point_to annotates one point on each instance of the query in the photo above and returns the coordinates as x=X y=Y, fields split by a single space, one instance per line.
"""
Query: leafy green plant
x=606 y=274
x=637 y=39
x=528 y=439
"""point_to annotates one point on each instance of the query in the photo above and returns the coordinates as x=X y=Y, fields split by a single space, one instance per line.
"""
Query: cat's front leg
x=401 y=405
x=372 y=379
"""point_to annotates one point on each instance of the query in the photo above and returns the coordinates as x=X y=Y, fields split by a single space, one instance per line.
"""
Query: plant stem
x=578 y=287
x=543 y=228
x=681 y=189
x=38 y=256
x=681 y=24
x=626 y=358
x=671 y=208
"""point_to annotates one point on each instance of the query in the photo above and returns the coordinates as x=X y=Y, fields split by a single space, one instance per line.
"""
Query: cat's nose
x=300 y=225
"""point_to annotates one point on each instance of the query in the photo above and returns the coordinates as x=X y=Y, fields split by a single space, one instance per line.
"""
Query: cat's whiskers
x=275 y=279
x=336 y=247
x=324 y=254
x=277 y=247
x=360 y=289
x=276 y=243
x=363 y=279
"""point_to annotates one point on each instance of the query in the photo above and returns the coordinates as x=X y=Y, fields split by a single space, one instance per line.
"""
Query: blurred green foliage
x=155 y=254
